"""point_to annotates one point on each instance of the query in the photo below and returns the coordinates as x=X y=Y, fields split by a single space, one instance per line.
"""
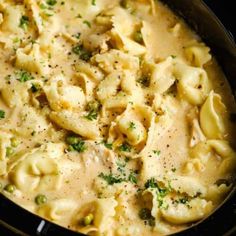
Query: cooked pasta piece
x=198 y=54
x=77 y=123
x=115 y=119
x=212 y=116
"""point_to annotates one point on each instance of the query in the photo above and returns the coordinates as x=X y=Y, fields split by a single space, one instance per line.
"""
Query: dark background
x=225 y=11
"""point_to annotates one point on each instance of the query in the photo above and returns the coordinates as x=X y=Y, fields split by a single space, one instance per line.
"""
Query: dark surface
x=224 y=220
x=225 y=11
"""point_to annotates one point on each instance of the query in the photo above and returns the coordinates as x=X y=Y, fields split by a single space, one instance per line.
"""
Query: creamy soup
x=115 y=119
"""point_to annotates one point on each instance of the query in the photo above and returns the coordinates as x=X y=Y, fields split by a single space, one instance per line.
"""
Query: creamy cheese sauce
x=115 y=119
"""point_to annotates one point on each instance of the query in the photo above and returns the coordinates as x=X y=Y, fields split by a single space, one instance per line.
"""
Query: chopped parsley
x=77 y=35
x=151 y=183
x=132 y=177
x=121 y=166
x=24 y=76
x=145 y=214
x=93 y=108
x=144 y=80
x=93 y=2
x=42 y=6
x=86 y=22
x=132 y=126
x=108 y=145
x=75 y=144
x=111 y=179
x=24 y=22
x=2 y=114
x=51 y=2
x=161 y=192
x=183 y=200
x=125 y=147
x=82 y=52
x=173 y=56
x=157 y=152
x=35 y=88
x=92 y=115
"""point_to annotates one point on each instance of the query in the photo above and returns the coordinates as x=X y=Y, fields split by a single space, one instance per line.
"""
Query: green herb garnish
x=93 y=2
x=24 y=76
x=121 y=167
x=24 y=22
x=82 y=52
x=35 y=88
x=108 y=145
x=144 y=80
x=132 y=126
x=151 y=183
x=125 y=147
x=161 y=192
x=86 y=22
x=75 y=144
x=51 y=2
x=157 y=152
x=9 y=151
x=2 y=114
x=111 y=179
x=92 y=115
x=93 y=108
x=145 y=214
x=132 y=177
x=77 y=35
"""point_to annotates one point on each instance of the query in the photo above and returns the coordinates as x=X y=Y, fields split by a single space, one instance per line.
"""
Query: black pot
x=14 y=220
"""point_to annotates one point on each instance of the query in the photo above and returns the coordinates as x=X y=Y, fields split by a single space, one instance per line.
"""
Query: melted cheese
x=116 y=112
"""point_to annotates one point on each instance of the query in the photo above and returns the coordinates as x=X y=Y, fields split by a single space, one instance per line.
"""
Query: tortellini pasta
x=179 y=214
x=37 y=170
x=31 y=59
x=103 y=211
x=56 y=210
x=130 y=91
x=204 y=151
x=11 y=19
x=122 y=36
x=135 y=126
x=162 y=77
x=198 y=54
x=211 y=117
x=63 y=96
x=116 y=60
x=193 y=83
x=188 y=185
x=115 y=119
x=31 y=121
x=17 y=96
